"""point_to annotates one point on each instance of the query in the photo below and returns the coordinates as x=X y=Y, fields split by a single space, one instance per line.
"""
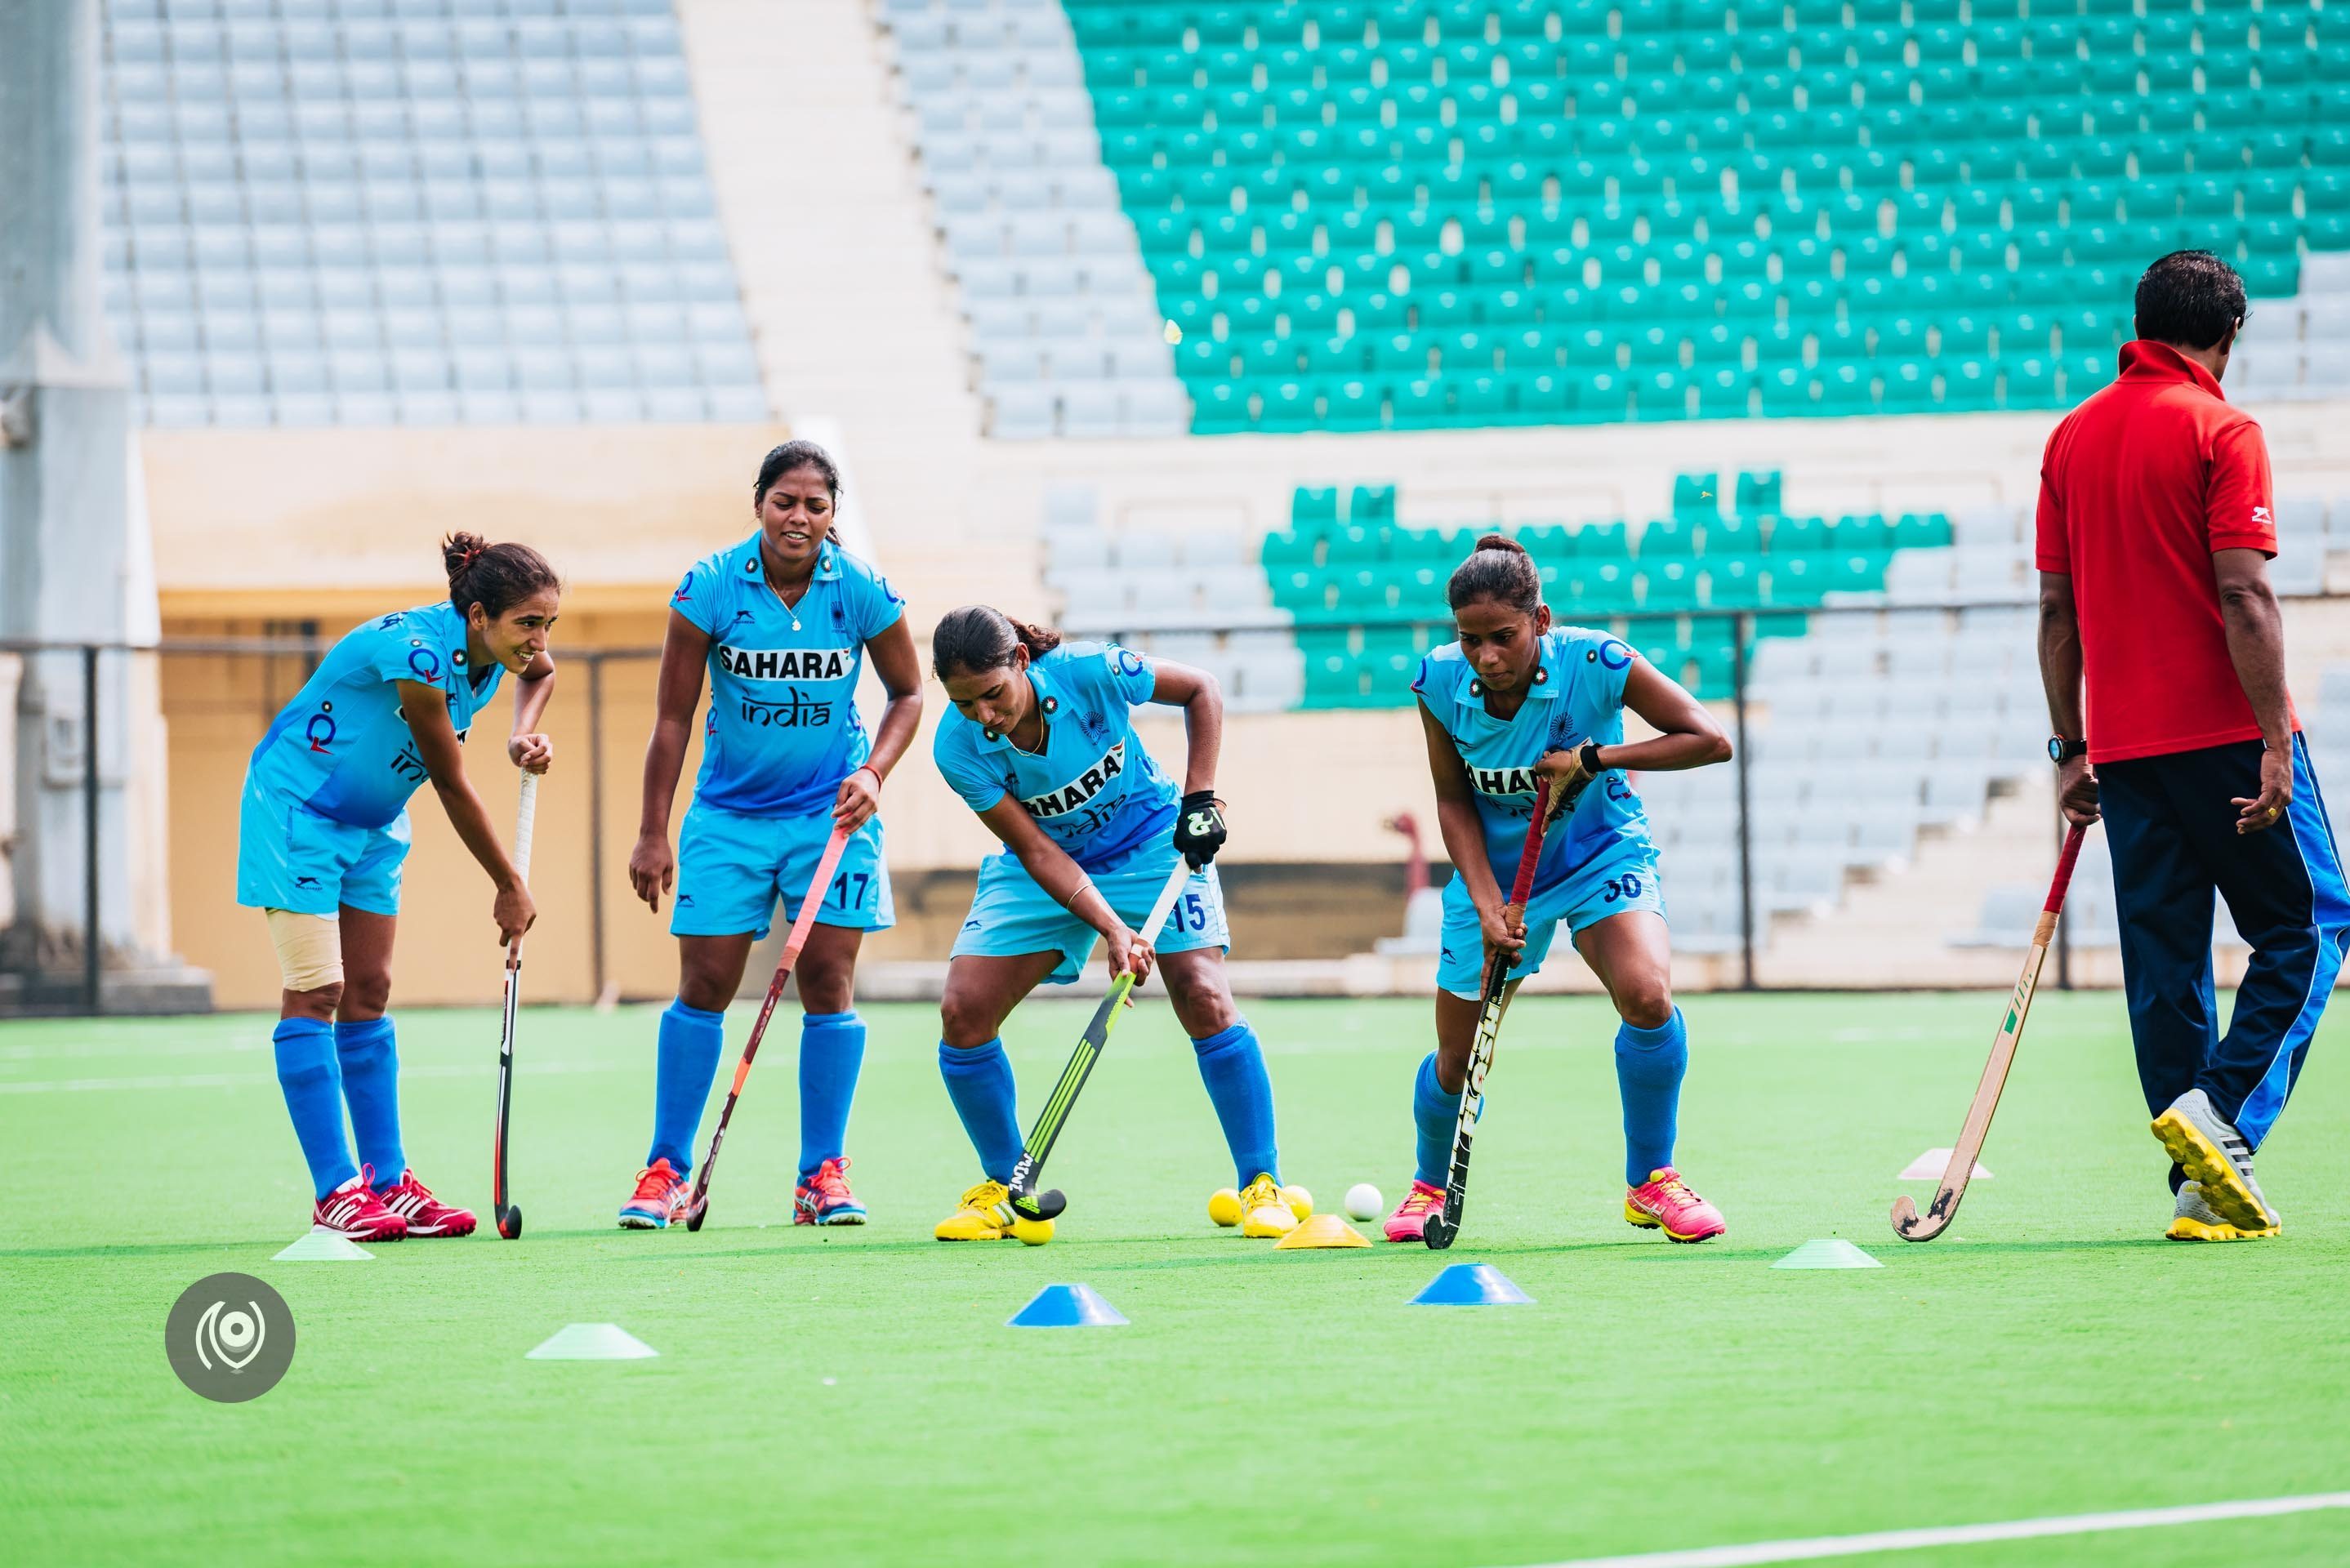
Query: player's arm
x=686 y=651
x=1199 y=823
x=1687 y=737
x=426 y=709
x=528 y=746
x=2255 y=627
x=1463 y=833
x=1065 y=882
x=2060 y=680
x=892 y=649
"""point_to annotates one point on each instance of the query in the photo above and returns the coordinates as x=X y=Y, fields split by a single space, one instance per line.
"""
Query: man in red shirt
x=2156 y=527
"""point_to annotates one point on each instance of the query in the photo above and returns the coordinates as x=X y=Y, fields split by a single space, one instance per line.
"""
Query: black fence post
x=92 y=1000
x=1739 y=628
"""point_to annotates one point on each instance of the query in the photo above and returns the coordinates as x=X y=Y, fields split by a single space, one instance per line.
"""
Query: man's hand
x=2076 y=791
x=2267 y=809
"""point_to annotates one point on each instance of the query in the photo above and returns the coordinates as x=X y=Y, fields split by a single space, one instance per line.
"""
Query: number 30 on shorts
x=1620 y=888
x=862 y=881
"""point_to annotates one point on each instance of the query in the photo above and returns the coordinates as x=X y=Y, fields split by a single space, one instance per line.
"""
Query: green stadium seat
x=1314 y=508
x=1669 y=537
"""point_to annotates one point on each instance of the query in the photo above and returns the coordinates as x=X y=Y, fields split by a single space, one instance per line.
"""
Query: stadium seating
x=1399 y=214
x=1067 y=337
x=370 y=212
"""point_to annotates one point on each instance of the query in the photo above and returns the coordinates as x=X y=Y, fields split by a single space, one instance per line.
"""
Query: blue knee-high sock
x=832 y=1050
x=1437 y=1116
x=979 y=1082
x=692 y=1040
x=1231 y=1065
x=1649 y=1068
x=369 y=1057
x=308 y=1072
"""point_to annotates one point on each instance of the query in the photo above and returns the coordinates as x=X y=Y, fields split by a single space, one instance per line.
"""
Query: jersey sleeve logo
x=320 y=730
x=1614 y=654
x=425 y=665
x=2262 y=518
x=684 y=590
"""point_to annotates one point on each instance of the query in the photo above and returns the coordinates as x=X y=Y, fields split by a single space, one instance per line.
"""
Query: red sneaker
x=661 y=1197
x=426 y=1215
x=354 y=1210
x=824 y=1198
x=1410 y=1217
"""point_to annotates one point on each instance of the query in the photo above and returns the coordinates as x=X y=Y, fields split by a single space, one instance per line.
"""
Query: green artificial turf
x=853 y=1396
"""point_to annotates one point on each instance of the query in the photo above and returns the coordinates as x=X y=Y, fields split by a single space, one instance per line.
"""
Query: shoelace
x=831 y=1180
x=987 y=1197
x=1420 y=1202
x=1674 y=1187
x=1261 y=1194
x=655 y=1180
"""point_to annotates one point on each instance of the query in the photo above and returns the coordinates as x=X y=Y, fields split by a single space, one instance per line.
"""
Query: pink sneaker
x=1411 y=1215
x=354 y=1210
x=1664 y=1202
x=426 y=1215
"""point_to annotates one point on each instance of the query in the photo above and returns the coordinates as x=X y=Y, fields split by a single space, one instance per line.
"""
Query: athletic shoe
x=987 y=1215
x=824 y=1198
x=1264 y=1210
x=1410 y=1217
x=1664 y=1202
x=353 y=1209
x=661 y=1197
x=2212 y=1152
x=426 y=1215
x=2195 y=1220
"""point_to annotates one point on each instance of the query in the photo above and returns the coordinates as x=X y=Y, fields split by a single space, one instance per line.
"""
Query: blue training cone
x=1471 y=1284
x=1066 y=1306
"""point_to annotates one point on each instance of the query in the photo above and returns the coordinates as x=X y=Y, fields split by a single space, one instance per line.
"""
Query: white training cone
x=324 y=1246
x=593 y=1342
x=1832 y=1253
x=1929 y=1166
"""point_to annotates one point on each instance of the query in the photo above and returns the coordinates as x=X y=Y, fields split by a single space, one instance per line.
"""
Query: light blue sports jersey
x=783 y=730
x=1579 y=696
x=1097 y=791
x=342 y=746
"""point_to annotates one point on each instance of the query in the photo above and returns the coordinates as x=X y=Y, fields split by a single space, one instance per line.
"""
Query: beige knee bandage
x=309 y=949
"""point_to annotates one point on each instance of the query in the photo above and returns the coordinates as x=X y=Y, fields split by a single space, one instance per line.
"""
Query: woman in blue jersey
x=783 y=622
x=323 y=833
x=1041 y=744
x=1513 y=700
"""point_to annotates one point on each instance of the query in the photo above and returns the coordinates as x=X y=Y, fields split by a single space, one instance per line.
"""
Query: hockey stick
x=1438 y=1230
x=1908 y=1223
x=1034 y=1205
x=509 y=1215
x=698 y=1206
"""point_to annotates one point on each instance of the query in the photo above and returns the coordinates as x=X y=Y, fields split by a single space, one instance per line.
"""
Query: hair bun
x=459 y=551
x=1500 y=542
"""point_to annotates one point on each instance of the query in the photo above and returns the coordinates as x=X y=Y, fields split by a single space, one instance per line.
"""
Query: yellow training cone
x=1323 y=1231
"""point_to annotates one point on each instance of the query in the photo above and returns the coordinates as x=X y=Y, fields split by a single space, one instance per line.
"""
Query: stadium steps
x=809 y=164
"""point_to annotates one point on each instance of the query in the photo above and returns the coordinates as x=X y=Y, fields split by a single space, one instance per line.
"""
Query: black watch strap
x=2062 y=751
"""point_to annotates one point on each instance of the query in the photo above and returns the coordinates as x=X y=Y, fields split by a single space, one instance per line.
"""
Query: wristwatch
x=2062 y=751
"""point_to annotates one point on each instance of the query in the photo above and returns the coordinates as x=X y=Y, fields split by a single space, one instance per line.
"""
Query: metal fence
x=1738 y=928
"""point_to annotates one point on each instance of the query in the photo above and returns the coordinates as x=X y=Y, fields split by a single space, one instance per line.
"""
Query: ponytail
x=1500 y=569
x=496 y=577
x=978 y=638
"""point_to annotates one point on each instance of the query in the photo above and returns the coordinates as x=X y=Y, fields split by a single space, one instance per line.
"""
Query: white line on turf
x=1822 y=1546
x=254 y=1079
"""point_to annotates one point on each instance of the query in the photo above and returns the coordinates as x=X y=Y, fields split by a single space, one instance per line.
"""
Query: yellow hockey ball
x=1224 y=1207
x=1300 y=1201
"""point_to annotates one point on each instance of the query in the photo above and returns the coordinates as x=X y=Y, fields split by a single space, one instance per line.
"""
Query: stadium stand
x=378 y=212
x=1404 y=213
x=1066 y=334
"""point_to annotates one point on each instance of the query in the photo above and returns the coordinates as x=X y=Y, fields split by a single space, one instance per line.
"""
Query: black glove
x=1200 y=827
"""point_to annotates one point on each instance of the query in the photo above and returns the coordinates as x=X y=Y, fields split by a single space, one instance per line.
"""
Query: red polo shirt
x=2139 y=487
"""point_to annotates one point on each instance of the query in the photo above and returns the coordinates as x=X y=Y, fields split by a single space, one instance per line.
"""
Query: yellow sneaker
x=1264 y=1211
x=987 y=1215
x=2197 y=1220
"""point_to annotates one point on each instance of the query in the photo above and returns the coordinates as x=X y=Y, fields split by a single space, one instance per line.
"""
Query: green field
x=852 y=1397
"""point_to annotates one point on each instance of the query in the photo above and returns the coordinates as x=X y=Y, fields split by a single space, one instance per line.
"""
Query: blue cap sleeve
x=1607 y=661
x=959 y=764
x=1132 y=674
x=402 y=646
x=697 y=596
x=879 y=605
